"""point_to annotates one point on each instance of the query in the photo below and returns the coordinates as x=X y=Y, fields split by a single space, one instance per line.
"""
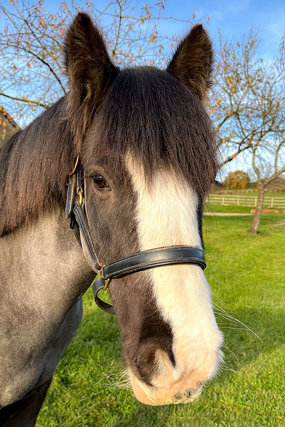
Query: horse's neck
x=43 y=266
x=42 y=275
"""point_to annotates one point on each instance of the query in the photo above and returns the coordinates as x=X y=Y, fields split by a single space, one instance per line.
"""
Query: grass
x=227 y=209
x=247 y=277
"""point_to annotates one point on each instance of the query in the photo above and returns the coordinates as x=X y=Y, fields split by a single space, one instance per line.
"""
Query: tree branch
x=28 y=101
x=275 y=175
x=45 y=63
x=233 y=156
x=119 y=29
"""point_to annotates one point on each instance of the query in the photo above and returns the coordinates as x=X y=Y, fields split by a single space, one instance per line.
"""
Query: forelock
x=149 y=114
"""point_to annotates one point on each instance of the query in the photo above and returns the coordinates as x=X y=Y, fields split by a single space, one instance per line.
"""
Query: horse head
x=148 y=155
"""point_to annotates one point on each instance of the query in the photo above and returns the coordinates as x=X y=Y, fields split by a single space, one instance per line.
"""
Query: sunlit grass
x=247 y=277
x=227 y=209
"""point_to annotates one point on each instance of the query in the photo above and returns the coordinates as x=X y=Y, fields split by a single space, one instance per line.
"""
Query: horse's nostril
x=183 y=397
x=177 y=398
x=188 y=393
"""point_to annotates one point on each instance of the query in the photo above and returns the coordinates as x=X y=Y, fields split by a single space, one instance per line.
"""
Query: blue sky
x=235 y=17
x=232 y=17
x=239 y=16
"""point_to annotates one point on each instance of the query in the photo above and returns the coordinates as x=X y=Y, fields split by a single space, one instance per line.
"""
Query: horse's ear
x=192 y=62
x=90 y=72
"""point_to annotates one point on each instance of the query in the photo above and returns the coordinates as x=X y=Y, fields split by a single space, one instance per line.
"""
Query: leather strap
x=98 y=285
x=80 y=218
x=137 y=262
x=71 y=189
x=154 y=258
x=74 y=209
x=141 y=261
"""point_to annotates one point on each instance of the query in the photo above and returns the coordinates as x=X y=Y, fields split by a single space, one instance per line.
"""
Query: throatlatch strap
x=85 y=232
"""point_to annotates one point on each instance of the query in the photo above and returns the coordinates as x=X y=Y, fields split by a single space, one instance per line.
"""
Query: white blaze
x=167 y=215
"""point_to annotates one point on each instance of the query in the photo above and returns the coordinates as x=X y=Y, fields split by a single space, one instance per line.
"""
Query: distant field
x=269 y=194
x=247 y=276
x=211 y=207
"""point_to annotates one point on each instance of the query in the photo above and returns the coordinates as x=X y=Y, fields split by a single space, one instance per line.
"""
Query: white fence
x=249 y=190
x=251 y=201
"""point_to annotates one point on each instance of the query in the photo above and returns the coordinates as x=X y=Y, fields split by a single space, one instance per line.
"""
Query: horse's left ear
x=90 y=72
x=192 y=63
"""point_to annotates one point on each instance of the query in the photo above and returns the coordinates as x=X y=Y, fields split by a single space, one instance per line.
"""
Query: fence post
x=272 y=202
x=255 y=201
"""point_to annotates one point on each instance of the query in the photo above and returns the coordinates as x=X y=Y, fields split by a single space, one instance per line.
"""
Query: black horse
x=147 y=156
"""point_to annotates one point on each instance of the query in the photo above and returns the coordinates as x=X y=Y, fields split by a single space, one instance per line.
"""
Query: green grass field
x=227 y=209
x=247 y=277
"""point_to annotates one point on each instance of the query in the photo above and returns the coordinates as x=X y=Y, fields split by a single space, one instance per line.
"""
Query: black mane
x=146 y=112
x=34 y=165
x=156 y=116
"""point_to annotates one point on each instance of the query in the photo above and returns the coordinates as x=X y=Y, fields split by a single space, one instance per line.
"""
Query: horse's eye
x=100 y=182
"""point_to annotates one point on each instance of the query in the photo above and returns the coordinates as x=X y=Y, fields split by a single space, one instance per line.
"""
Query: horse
x=134 y=151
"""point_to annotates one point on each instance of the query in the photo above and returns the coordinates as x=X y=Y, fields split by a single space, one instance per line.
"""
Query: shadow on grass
x=242 y=348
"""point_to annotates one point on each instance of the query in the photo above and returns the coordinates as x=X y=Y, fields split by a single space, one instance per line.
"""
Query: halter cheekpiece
x=140 y=261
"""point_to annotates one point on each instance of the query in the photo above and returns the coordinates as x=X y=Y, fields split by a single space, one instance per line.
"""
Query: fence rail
x=248 y=190
x=251 y=201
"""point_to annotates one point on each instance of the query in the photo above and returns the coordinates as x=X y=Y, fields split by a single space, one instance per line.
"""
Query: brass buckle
x=107 y=281
x=79 y=192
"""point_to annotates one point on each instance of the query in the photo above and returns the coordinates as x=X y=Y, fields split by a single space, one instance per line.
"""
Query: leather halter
x=140 y=261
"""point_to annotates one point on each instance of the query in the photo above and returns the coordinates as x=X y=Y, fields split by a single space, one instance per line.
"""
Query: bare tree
x=30 y=46
x=237 y=78
x=248 y=108
x=268 y=153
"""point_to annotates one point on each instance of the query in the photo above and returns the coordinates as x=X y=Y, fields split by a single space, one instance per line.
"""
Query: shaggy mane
x=146 y=112
x=34 y=166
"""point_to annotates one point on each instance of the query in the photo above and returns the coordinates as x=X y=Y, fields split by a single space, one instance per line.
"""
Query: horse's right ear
x=192 y=63
x=90 y=72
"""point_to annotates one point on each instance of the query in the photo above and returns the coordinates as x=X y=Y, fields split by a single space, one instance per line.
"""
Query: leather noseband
x=158 y=257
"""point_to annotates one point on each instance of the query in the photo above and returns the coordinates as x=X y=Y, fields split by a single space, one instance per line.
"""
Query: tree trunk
x=256 y=219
